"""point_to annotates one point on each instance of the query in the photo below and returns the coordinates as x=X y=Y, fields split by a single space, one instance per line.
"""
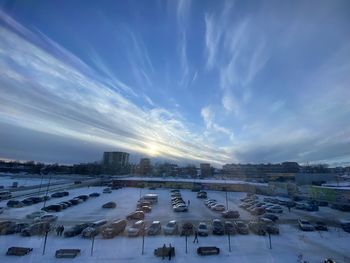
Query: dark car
x=74 y=201
x=52 y=208
x=241 y=227
x=94 y=195
x=321 y=226
x=257 y=228
x=271 y=228
x=345 y=226
x=229 y=228
x=64 y=205
x=60 y=194
x=27 y=201
x=271 y=217
x=83 y=197
x=109 y=205
x=218 y=227
x=7 y=227
x=202 y=194
x=75 y=230
x=14 y=203
x=187 y=229
x=230 y=214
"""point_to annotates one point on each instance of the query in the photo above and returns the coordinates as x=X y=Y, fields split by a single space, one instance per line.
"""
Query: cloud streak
x=43 y=93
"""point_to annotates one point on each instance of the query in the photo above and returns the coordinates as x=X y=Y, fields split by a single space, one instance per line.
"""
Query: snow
x=314 y=246
x=7 y=181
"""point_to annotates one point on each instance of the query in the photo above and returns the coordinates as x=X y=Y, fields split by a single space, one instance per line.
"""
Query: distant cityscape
x=117 y=163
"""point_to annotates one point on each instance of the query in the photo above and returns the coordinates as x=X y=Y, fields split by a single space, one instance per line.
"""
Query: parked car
x=75 y=230
x=107 y=190
x=229 y=228
x=39 y=228
x=52 y=208
x=109 y=205
x=271 y=217
x=27 y=201
x=257 y=211
x=14 y=204
x=271 y=228
x=94 y=195
x=46 y=218
x=321 y=226
x=345 y=225
x=146 y=208
x=257 y=228
x=94 y=229
x=136 y=229
x=154 y=228
x=83 y=197
x=7 y=227
x=218 y=207
x=305 y=225
x=274 y=209
x=74 y=201
x=137 y=215
x=180 y=208
x=203 y=229
x=202 y=194
x=114 y=229
x=218 y=227
x=35 y=214
x=60 y=194
x=230 y=214
x=171 y=228
x=187 y=229
x=241 y=227
x=64 y=205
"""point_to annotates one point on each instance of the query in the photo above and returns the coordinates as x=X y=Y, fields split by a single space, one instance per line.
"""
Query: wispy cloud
x=43 y=93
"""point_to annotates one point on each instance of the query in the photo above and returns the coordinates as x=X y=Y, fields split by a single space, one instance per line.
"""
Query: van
x=94 y=229
x=114 y=229
x=5 y=195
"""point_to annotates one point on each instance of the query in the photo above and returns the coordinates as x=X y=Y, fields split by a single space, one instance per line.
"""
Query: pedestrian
x=195 y=237
x=163 y=251
x=58 y=230
x=169 y=253
x=62 y=229
x=188 y=203
x=289 y=208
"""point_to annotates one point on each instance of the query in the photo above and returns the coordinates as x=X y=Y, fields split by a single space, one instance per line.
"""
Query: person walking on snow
x=195 y=237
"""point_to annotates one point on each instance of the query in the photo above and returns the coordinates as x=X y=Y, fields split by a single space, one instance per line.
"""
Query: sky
x=183 y=81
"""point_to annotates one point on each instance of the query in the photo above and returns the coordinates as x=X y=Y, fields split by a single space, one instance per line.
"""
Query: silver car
x=171 y=228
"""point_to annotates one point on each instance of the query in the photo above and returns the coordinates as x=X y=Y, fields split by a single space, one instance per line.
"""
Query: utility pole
x=47 y=191
x=270 y=241
x=45 y=240
x=143 y=243
x=186 y=242
x=92 y=245
x=229 y=242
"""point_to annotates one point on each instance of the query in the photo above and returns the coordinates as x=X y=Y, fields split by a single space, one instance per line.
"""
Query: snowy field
x=286 y=247
x=7 y=181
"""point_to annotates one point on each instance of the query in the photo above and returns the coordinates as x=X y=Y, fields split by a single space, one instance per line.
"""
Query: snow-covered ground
x=7 y=181
x=286 y=247
x=251 y=248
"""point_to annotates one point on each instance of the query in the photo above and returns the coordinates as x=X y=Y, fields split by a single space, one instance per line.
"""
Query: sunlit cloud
x=43 y=93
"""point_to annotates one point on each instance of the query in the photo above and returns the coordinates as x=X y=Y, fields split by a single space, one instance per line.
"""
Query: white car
x=46 y=218
x=203 y=229
x=35 y=214
x=171 y=228
x=137 y=228
x=180 y=208
x=218 y=207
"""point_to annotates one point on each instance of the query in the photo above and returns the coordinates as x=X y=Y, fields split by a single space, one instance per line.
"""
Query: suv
x=257 y=228
x=218 y=227
x=15 y=203
x=114 y=229
x=36 y=229
x=202 y=194
x=187 y=229
x=229 y=228
x=75 y=230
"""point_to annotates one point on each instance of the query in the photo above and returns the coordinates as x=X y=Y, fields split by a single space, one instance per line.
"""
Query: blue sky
x=187 y=81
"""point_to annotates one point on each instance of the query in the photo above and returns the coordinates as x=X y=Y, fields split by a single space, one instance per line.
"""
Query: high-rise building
x=145 y=166
x=115 y=162
x=205 y=169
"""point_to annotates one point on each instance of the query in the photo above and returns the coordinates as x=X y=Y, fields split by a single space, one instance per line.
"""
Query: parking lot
x=126 y=200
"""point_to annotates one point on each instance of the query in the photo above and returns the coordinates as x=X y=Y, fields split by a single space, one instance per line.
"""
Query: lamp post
x=47 y=191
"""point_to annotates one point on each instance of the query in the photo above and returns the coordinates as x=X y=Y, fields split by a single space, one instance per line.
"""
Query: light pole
x=47 y=191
